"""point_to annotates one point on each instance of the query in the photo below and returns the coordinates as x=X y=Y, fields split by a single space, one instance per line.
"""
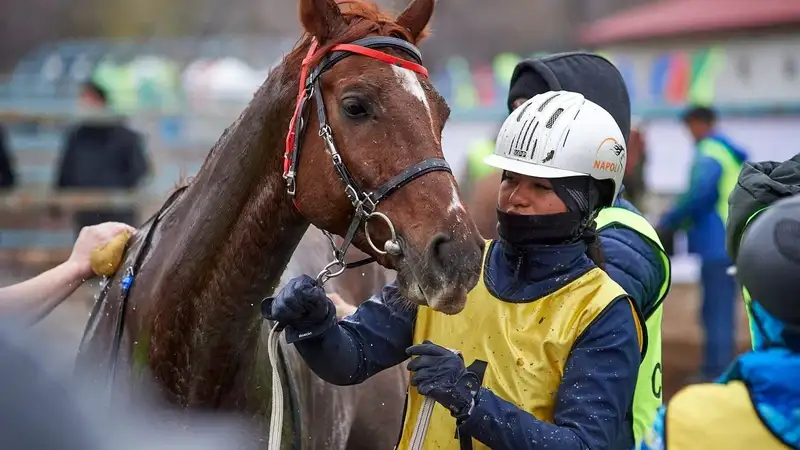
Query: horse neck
x=238 y=230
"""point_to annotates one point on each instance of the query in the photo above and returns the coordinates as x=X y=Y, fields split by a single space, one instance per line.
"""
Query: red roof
x=676 y=17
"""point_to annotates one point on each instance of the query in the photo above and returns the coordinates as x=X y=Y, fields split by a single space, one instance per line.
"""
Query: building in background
x=740 y=56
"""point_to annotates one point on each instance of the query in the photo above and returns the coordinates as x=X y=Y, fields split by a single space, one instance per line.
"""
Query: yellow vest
x=706 y=416
x=647 y=398
x=524 y=345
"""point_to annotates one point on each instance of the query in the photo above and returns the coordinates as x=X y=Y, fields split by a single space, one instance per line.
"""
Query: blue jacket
x=633 y=262
x=591 y=412
x=696 y=208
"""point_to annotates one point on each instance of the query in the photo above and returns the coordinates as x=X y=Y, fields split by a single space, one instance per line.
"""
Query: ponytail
x=595 y=252
x=593 y=249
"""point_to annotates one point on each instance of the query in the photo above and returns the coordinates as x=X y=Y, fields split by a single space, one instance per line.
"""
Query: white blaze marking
x=455 y=202
x=411 y=84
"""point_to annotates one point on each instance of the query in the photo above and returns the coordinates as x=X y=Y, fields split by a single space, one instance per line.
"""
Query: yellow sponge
x=106 y=258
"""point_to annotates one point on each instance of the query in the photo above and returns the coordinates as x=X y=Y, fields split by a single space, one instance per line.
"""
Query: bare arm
x=36 y=298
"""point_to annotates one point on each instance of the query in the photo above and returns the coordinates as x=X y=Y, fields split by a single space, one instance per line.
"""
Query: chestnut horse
x=365 y=142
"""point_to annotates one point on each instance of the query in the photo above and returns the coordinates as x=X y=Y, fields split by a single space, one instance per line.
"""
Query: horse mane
x=363 y=18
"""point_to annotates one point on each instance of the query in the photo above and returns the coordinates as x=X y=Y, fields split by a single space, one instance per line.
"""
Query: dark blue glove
x=302 y=307
x=440 y=374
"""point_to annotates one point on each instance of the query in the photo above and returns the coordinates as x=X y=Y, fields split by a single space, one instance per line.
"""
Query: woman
x=552 y=344
x=756 y=403
x=633 y=253
x=37 y=297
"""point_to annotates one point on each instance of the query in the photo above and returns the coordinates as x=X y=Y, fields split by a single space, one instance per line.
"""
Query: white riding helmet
x=562 y=134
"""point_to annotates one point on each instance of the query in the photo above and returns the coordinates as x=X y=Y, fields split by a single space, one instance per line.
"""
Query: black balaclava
x=582 y=198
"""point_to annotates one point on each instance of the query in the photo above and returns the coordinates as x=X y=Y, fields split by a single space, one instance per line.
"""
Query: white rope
x=276 y=416
x=423 y=421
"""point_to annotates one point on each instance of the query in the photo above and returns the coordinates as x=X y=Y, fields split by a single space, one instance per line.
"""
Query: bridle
x=364 y=203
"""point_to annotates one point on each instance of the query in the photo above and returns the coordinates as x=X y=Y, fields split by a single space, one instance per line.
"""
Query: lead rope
x=276 y=413
x=423 y=422
x=273 y=343
x=276 y=416
x=424 y=419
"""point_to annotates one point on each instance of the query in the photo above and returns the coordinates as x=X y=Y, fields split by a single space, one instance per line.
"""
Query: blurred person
x=756 y=402
x=44 y=408
x=34 y=299
x=633 y=253
x=551 y=345
x=635 y=186
x=703 y=211
x=760 y=185
x=101 y=154
x=7 y=178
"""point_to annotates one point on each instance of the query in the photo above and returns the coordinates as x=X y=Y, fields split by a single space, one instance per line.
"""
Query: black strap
x=359 y=263
x=477 y=367
x=408 y=175
x=299 y=138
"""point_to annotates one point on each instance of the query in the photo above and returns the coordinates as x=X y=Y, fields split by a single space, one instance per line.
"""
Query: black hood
x=585 y=73
x=760 y=185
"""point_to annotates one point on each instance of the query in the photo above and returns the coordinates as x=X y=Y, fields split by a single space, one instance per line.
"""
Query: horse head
x=364 y=154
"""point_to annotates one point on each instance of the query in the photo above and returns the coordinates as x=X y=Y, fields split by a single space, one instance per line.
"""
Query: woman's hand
x=91 y=238
x=439 y=373
x=301 y=304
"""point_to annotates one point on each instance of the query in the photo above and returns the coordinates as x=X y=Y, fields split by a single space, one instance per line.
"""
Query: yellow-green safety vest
x=476 y=168
x=648 y=395
x=731 y=167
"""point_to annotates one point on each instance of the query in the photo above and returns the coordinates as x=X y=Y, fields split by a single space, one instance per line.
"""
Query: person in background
x=703 y=211
x=635 y=186
x=36 y=298
x=101 y=153
x=7 y=178
x=756 y=403
x=633 y=253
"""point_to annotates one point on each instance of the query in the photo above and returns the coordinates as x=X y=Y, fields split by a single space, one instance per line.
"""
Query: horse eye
x=353 y=108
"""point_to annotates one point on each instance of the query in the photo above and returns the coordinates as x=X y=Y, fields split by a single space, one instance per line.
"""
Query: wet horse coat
x=190 y=319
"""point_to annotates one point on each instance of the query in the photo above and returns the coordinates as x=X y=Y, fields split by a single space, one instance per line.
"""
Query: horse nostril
x=441 y=248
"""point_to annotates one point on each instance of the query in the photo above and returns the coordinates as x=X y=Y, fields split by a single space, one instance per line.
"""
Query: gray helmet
x=768 y=263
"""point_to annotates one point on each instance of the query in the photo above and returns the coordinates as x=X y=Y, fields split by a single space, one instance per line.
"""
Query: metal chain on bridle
x=364 y=203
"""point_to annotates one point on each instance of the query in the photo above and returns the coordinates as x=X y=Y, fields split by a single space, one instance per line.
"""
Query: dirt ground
x=681 y=332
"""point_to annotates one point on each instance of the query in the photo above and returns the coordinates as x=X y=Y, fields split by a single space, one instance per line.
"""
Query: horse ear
x=416 y=17
x=321 y=18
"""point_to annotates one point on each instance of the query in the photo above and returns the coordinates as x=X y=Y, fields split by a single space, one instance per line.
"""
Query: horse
x=183 y=310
